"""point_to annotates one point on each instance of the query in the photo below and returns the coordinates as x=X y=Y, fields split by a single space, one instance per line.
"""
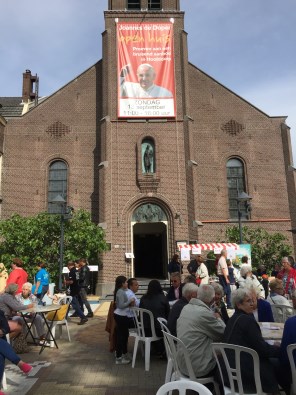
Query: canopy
x=210 y=246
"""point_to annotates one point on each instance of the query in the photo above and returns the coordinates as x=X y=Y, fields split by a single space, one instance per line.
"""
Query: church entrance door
x=150 y=250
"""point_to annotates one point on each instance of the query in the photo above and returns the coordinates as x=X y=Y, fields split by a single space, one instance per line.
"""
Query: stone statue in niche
x=149 y=213
x=148 y=158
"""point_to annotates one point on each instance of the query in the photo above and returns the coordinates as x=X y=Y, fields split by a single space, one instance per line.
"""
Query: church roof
x=11 y=107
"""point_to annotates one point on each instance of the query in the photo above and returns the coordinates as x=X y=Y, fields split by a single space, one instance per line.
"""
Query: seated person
x=155 y=301
x=189 y=291
x=218 y=306
x=198 y=328
x=277 y=292
x=261 y=308
x=247 y=278
x=7 y=352
x=284 y=371
x=26 y=298
x=175 y=291
x=10 y=305
x=243 y=330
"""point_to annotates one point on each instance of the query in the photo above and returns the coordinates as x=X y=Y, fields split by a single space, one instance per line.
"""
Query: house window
x=154 y=5
x=236 y=184
x=133 y=4
x=57 y=184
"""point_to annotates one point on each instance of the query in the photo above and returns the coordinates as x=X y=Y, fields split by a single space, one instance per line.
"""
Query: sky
x=246 y=45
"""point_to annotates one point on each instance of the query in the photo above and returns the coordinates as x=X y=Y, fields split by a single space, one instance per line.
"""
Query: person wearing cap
x=9 y=305
x=18 y=275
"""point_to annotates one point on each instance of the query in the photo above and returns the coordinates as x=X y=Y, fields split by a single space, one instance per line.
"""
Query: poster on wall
x=146 y=76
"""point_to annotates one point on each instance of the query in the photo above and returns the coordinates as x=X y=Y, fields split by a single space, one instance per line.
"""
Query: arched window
x=148 y=156
x=236 y=184
x=57 y=184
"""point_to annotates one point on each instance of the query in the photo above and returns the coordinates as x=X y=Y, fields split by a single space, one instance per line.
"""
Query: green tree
x=266 y=248
x=37 y=238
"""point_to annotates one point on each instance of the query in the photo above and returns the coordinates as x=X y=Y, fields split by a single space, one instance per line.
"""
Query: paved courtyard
x=85 y=365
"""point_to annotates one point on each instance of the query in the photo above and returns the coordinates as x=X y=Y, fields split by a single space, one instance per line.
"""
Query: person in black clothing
x=155 y=301
x=174 y=265
x=189 y=291
x=175 y=291
x=193 y=265
x=242 y=329
x=73 y=282
x=218 y=306
x=84 y=282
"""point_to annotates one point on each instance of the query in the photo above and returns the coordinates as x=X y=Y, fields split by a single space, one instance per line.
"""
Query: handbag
x=20 y=345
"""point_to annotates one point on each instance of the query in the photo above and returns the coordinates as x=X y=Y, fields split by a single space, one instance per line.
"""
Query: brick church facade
x=215 y=146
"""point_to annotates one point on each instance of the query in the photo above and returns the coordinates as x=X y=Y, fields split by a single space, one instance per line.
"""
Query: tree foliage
x=37 y=238
x=266 y=248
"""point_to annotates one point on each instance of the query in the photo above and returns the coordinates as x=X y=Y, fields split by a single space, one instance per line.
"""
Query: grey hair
x=223 y=252
x=29 y=285
x=238 y=295
x=206 y=293
x=218 y=288
x=188 y=289
x=245 y=269
x=250 y=286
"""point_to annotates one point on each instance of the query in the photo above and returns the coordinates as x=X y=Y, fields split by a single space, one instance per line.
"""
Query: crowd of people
x=18 y=295
x=198 y=313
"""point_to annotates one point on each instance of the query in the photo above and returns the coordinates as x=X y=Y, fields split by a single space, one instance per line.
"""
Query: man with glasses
x=175 y=291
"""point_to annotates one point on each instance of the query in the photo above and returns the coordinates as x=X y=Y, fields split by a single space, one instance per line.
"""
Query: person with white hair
x=262 y=311
x=189 y=291
x=27 y=298
x=198 y=328
x=243 y=330
x=218 y=306
x=248 y=279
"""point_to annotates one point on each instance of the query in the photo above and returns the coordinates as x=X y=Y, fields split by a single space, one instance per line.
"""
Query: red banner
x=146 y=80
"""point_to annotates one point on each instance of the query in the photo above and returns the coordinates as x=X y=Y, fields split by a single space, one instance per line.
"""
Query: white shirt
x=131 y=295
x=222 y=265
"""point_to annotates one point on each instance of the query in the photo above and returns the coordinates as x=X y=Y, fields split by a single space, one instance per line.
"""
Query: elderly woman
x=262 y=311
x=276 y=295
x=243 y=330
x=10 y=305
x=27 y=298
x=218 y=305
x=288 y=276
x=247 y=278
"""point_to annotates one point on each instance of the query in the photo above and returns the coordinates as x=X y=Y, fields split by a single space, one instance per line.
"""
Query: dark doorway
x=150 y=250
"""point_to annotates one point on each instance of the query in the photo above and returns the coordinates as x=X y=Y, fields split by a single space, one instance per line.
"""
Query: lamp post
x=65 y=214
x=242 y=197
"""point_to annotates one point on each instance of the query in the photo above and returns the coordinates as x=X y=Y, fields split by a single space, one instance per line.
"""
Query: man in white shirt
x=145 y=86
x=222 y=272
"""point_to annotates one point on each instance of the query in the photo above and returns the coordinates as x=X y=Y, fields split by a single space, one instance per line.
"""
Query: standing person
x=202 y=274
x=72 y=281
x=231 y=275
x=42 y=281
x=122 y=321
x=84 y=282
x=174 y=265
x=132 y=289
x=18 y=275
x=192 y=266
x=3 y=277
x=222 y=272
x=288 y=276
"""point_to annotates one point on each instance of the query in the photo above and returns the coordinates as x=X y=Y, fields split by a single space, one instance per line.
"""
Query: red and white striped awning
x=210 y=246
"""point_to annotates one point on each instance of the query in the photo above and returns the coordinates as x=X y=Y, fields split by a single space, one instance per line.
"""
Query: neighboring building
x=149 y=179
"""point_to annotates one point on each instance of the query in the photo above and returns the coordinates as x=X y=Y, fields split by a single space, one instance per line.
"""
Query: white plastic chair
x=176 y=348
x=182 y=387
x=281 y=312
x=169 y=370
x=234 y=373
x=290 y=350
x=65 y=300
x=140 y=335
